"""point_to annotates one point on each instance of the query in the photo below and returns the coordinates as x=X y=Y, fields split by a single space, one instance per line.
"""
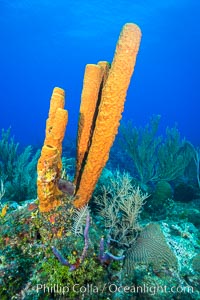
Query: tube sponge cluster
x=102 y=103
x=113 y=86
x=49 y=164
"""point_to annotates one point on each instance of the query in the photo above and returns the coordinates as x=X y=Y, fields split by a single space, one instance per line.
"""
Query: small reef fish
x=4 y=211
x=32 y=206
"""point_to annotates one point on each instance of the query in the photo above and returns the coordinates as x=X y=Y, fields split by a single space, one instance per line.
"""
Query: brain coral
x=151 y=248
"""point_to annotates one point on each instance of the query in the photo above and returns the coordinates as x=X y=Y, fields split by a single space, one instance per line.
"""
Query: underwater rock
x=184 y=192
x=193 y=216
x=196 y=263
x=159 y=202
x=13 y=205
x=163 y=191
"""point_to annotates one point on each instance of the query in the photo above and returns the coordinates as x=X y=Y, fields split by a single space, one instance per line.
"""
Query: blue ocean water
x=48 y=43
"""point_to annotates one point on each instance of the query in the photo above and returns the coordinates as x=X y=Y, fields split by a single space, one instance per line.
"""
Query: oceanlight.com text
x=91 y=289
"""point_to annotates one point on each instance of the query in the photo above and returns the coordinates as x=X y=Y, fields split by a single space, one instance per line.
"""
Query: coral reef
x=133 y=241
x=151 y=258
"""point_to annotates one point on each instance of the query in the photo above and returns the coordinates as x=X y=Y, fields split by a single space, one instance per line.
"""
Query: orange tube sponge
x=48 y=168
x=58 y=129
x=110 y=110
x=57 y=101
x=94 y=80
x=89 y=98
x=49 y=165
x=105 y=66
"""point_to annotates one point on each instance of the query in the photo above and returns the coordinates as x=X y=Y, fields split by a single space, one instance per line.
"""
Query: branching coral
x=120 y=204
